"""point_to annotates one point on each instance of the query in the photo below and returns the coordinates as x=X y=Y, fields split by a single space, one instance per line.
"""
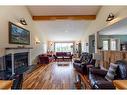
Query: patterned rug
x=63 y=60
x=62 y=64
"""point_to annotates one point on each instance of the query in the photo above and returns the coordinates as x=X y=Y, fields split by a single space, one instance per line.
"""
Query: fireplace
x=20 y=62
x=16 y=63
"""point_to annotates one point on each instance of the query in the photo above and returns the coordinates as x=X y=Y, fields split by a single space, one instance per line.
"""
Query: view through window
x=64 y=47
x=105 y=45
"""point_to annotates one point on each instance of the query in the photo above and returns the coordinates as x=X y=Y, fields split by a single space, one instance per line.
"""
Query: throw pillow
x=111 y=72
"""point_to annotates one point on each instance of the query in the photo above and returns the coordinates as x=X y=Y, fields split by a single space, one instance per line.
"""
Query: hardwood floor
x=51 y=76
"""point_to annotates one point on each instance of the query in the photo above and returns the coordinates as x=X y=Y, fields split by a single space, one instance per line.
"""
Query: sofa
x=63 y=55
x=81 y=64
x=97 y=76
x=44 y=59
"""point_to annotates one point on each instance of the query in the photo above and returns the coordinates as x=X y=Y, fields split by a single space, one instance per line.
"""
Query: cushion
x=68 y=54
x=99 y=72
x=111 y=72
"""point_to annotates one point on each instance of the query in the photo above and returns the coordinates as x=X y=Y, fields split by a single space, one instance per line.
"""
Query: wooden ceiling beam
x=65 y=17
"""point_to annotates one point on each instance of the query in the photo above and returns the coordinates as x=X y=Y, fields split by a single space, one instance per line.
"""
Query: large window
x=111 y=44
x=63 y=47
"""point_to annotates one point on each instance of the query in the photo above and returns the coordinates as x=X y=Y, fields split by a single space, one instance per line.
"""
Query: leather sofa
x=81 y=65
x=44 y=59
x=97 y=76
x=63 y=55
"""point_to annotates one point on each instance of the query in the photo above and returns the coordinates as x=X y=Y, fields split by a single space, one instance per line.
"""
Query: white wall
x=120 y=13
x=119 y=28
x=13 y=14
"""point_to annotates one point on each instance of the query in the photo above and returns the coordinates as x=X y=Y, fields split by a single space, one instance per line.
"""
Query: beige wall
x=13 y=14
x=120 y=13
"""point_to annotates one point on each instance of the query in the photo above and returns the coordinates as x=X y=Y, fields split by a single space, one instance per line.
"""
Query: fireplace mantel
x=8 y=48
x=14 y=50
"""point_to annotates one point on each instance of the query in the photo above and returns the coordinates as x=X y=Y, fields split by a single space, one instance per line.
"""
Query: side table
x=6 y=84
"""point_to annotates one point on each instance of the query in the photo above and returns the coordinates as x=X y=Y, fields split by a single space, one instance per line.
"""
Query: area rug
x=62 y=64
x=63 y=60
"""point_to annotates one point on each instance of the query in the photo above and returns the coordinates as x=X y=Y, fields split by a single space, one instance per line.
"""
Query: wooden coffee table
x=6 y=84
x=120 y=84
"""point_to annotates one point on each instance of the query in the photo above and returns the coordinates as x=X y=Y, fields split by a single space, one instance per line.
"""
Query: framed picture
x=18 y=35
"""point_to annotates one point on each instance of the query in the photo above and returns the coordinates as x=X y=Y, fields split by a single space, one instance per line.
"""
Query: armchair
x=44 y=59
x=81 y=65
x=81 y=58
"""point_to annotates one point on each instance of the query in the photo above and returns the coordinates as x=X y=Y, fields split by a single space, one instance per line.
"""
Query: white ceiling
x=119 y=28
x=62 y=30
x=63 y=10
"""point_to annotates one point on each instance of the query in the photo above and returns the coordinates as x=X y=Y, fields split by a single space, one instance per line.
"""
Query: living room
x=55 y=40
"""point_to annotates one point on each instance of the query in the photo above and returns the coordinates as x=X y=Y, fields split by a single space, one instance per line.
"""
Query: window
x=64 y=47
x=113 y=44
x=105 y=45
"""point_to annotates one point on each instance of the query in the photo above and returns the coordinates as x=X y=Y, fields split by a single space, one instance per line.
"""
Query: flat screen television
x=18 y=35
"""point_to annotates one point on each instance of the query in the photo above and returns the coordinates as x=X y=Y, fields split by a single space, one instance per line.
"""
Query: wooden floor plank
x=51 y=76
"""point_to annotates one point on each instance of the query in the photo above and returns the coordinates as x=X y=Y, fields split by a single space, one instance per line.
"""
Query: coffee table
x=120 y=84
